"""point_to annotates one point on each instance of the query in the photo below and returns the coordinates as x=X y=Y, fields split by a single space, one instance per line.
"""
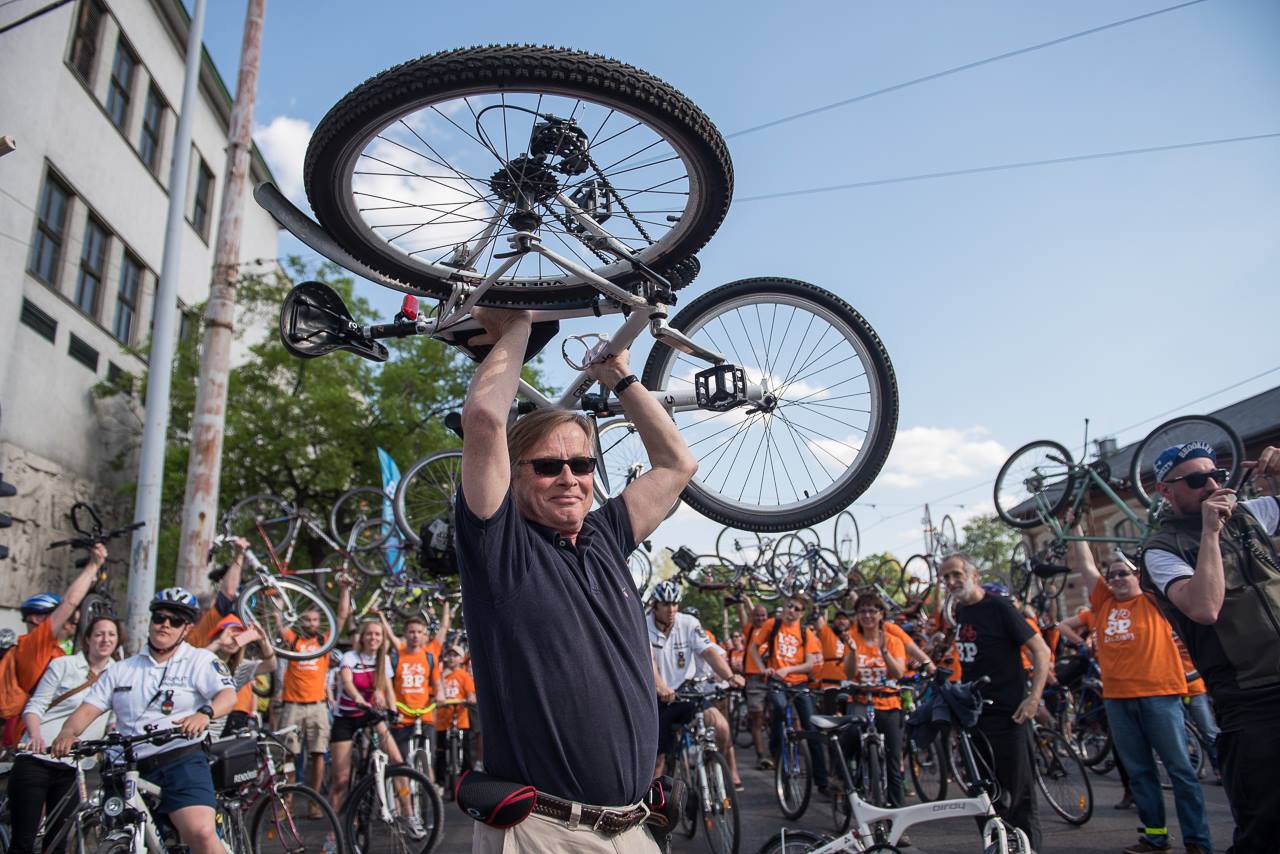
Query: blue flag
x=390 y=480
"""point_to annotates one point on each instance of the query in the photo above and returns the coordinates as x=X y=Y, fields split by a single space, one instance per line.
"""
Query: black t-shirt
x=560 y=654
x=989 y=638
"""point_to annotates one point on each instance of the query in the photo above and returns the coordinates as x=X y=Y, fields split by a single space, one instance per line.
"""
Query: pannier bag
x=497 y=803
x=233 y=762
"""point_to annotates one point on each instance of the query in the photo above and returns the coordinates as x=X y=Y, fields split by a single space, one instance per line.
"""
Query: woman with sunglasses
x=875 y=658
x=1143 y=682
x=168 y=684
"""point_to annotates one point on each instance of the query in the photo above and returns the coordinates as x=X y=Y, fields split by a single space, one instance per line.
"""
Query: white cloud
x=283 y=142
x=922 y=454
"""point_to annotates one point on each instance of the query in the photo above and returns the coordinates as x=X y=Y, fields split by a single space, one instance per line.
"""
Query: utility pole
x=204 y=468
x=142 y=560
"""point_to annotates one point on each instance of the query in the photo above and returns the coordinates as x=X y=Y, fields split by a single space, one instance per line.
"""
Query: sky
x=1014 y=303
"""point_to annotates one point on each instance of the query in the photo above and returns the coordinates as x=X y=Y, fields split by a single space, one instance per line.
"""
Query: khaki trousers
x=540 y=835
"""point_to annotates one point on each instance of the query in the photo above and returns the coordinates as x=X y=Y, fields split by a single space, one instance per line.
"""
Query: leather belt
x=606 y=820
x=158 y=760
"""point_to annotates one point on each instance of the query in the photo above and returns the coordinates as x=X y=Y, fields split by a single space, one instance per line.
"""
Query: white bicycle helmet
x=177 y=599
x=667 y=592
x=41 y=603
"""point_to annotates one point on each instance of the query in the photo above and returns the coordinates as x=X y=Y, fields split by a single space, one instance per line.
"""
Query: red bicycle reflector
x=409 y=308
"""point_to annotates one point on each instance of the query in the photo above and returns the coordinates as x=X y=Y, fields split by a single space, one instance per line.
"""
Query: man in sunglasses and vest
x=1215 y=573
x=560 y=647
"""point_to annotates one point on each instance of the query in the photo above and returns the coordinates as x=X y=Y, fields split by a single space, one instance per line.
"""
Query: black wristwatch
x=624 y=383
x=205 y=710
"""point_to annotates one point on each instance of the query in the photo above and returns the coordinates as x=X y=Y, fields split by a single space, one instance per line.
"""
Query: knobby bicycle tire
x=793 y=778
x=355 y=810
x=261 y=604
x=358 y=118
x=290 y=826
x=791 y=505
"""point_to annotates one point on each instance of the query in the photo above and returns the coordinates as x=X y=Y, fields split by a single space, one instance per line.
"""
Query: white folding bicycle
x=576 y=186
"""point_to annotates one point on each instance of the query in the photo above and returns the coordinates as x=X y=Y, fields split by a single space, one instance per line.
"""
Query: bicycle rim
x=407 y=795
x=928 y=774
x=278 y=608
x=1061 y=778
x=416 y=171
x=720 y=816
x=792 y=782
x=353 y=506
x=1033 y=483
x=427 y=492
x=1189 y=428
x=846 y=539
x=623 y=459
x=830 y=413
x=262 y=520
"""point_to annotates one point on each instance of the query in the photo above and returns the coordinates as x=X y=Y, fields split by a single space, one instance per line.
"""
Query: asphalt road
x=1109 y=830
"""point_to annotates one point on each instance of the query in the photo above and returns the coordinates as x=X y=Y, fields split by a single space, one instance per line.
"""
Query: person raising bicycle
x=38 y=783
x=679 y=642
x=1214 y=569
x=875 y=657
x=49 y=619
x=168 y=684
x=550 y=605
x=417 y=669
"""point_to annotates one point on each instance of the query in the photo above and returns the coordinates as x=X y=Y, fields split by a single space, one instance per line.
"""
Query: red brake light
x=409 y=308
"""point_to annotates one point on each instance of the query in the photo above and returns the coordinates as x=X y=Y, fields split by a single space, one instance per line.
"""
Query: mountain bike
x=877 y=828
x=419 y=755
x=88 y=524
x=275 y=605
x=575 y=186
x=792 y=770
x=75 y=822
x=867 y=769
x=1060 y=776
x=455 y=751
x=695 y=758
x=389 y=808
x=274 y=523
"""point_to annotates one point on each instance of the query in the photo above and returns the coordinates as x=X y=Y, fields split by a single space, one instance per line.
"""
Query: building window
x=186 y=324
x=152 y=129
x=43 y=324
x=51 y=223
x=204 y=200
x=127 y=298
x=84 y=46
x=121 y=88
x=83 y=353
x=93 y=264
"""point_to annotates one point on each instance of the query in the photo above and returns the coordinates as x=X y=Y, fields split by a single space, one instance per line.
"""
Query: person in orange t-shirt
x=454 y=690
x=833 y=637
x=1198 y=706
x=875 y=658
x=785 y=652
x=1143 y=682
x=751 y=617
x=416 y=672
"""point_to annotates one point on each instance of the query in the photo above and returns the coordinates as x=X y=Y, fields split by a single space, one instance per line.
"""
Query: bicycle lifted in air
x=576 y=186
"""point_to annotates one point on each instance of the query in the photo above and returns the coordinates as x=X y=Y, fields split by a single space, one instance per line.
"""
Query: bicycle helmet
x=995 y=588
x=178 y=600
x=41 y=603
x=692 y=612
x=667 y=592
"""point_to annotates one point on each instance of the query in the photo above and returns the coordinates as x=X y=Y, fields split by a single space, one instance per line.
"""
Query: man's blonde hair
x=530 y=429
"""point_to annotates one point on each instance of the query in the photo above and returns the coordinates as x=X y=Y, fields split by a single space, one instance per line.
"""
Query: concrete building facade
x=90 y=98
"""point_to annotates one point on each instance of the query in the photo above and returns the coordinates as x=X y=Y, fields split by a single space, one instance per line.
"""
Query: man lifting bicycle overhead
x=1216 y=576
x=551 y=613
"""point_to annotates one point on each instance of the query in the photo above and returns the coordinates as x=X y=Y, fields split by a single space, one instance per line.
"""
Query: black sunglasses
x=159 y=618
x=550 y=467
x=1197 y=479
x=1123 y=573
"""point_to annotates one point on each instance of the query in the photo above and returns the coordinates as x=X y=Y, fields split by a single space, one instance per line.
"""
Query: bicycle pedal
x=720 y=387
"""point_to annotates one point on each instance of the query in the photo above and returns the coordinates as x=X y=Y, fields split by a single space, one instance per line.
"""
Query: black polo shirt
x=560 y=654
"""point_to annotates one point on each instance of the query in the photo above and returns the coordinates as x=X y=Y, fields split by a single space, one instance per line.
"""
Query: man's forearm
x=718 y=664
x=1039 y=667
x=1080 y=559
x=493 y=388
x=1208 y=584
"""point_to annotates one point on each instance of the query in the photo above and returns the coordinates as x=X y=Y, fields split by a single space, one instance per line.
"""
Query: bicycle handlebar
x=115 y=739
x=88 y=542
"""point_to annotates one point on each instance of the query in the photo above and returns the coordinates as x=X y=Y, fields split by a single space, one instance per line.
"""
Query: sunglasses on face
x=1123 y=573
x=159 y=619
x=872 y=611
x=1198 y=479
x=550 y=467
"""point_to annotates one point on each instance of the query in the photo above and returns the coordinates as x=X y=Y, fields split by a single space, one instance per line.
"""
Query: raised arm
x=78 y=589
x=744 y=612
x=486 y=467
x=446 y=622
x=1080 y=559
x=649 y=497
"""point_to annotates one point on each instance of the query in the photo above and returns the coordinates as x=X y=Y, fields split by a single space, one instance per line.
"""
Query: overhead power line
x=957 y=69
x=1003 y=167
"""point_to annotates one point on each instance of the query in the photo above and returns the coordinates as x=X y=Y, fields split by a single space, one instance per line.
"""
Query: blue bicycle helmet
x=667 y=592
x=995 y=588
x=41 y=603
x=178 y=600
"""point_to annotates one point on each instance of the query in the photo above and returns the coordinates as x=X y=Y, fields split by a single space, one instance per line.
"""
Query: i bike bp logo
x=967 y=644
x=1119 y=626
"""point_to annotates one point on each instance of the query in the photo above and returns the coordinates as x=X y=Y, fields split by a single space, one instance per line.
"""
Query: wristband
x=623 y=384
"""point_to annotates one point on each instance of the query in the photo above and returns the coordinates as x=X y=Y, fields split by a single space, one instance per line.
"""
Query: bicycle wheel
x=740 y=722
x=291 y=819
x=820 y=435
x=917 y=576
x=413 y=815
x=427 y=492
x=355 y=505
x=278 y=608
x=641 y=570
x=927 y=766
x=324 y=577
x=710 y=573
x=623 y=459
x=1090 y=730
x=947 y=537
x=720 y=819
x=846 y=540
x=1061 y=778
x=1195 y=754
x=235 y=836
x=733 y=545
x=1218 y=434
x=792 y=780
x=794 y=842
x=887 y=577
x=262 y=519
x=415 y=171
x=983 y=760
x=688 y=825
x=1020 y=569
x=1033 y=484
x=791 y=564
x=374 y=551
x=873 y=771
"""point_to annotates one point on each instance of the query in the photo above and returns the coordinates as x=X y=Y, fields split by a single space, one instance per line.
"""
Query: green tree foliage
x=308 y=429
x=989 y=542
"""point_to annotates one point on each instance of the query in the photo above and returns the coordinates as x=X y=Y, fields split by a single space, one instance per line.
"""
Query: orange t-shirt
x=736 y=660
x=871 y=666
x=457 y=686
x=201 y=633
x=1091 y=638
x=415 y=678
x=1195 y=687
x=750 y=633
x=1135 y=648
x=787 y=651
x=304 y=680
x=245 y=700
x=831 y=671
x=22 y=668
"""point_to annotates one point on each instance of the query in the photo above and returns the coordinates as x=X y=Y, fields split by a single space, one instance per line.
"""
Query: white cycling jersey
x=678 y=654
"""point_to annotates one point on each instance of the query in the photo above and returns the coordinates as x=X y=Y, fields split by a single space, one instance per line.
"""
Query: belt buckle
x=605 y=812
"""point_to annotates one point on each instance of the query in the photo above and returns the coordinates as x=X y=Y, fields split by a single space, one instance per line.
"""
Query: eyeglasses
x=876 y=611
x=1122 y=573
x=1198 y=479
x=550 y=467
x=159 y=618
x=792 y=607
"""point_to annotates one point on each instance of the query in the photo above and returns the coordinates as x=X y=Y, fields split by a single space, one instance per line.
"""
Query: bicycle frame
x=1092 y=478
